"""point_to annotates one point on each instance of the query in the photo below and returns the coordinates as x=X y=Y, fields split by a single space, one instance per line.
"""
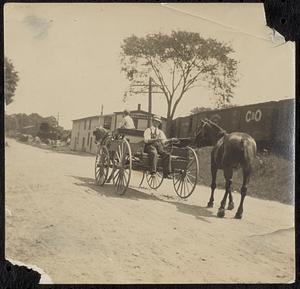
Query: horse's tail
x=248 y=149
x=242 y=145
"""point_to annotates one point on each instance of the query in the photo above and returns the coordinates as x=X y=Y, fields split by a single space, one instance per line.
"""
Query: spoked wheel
x=122 y=167
x=154 y=180
x=102 y=166
x=185 y=180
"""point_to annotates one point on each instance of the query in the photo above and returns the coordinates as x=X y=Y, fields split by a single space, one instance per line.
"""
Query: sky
x=68 y=55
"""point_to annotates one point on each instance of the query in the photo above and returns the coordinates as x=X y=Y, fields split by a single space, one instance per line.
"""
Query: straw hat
x=156 y=118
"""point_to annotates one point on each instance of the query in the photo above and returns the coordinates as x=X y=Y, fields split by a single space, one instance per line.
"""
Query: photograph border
x=275 y=11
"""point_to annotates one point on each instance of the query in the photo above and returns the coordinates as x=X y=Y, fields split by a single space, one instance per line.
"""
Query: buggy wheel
x=102 y=166
x=122 y=165
x=154 y=180
x=185 y=180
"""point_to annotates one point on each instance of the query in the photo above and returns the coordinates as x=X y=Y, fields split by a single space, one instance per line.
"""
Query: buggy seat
x=135 y=138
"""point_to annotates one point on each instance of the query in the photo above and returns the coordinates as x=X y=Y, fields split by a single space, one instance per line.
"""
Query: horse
x=230 y=151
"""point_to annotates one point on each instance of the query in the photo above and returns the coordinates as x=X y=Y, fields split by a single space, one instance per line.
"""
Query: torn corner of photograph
x=277 y=38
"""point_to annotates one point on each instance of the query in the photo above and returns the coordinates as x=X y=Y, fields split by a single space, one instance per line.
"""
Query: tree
x=199 y=109
x=11 y=79
x=179 y=62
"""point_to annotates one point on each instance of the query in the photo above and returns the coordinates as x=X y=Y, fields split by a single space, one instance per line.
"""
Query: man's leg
x=153 y=157
x=166 y=157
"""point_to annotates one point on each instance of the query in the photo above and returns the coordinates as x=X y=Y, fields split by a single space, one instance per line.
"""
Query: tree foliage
x=11 y=79
x=198 y=109
x=179 y=62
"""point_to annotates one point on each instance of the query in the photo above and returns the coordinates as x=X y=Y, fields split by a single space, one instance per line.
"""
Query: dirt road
x=77 y=232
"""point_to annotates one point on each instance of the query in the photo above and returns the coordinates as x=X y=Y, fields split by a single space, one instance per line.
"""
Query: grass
x=272 y=179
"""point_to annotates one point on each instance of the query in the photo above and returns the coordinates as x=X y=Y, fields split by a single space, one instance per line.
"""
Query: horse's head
x=202 y=135
x=208 y=133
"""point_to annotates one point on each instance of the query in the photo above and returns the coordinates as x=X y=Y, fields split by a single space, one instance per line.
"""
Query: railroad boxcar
x=259 y=121
x=284 y=131
x=176 y=127
x=185 y=126
x=269 y=123
x=226 y=118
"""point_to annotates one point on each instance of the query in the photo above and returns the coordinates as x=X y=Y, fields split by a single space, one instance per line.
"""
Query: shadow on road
x=132 y=194
x=108 y=190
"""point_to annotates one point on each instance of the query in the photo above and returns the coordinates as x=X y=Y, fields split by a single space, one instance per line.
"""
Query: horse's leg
x=213 y=185
x=231 y=203
x=140 y=185
x=228 y=172
x=246 y=178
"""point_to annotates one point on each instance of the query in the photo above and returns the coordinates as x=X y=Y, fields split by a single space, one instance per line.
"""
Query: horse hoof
x=230 y=206
x=210 y=205
x=238 y=216
x=221 y=213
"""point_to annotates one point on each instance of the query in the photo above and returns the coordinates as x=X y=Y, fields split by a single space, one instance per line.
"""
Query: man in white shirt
x=155 y=140
x=127 y=121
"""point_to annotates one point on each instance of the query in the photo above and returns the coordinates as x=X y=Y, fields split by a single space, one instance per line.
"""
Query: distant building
x=82 y=138
x=82 y=134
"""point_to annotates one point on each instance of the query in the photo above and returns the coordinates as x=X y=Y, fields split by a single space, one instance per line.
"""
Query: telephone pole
x=150 y=102
x=150 y=86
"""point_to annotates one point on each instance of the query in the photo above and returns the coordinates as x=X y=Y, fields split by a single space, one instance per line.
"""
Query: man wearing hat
x=155 y=140
x=127 y=121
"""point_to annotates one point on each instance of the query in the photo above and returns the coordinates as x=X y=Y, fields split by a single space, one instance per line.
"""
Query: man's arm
x=164 y=139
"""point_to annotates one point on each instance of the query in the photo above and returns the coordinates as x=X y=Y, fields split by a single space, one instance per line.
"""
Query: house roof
x=116 y=112
x=133 y=111
x=87 y=117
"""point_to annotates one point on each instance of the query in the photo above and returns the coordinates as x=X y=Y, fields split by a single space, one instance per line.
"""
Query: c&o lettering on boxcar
x=253 y=115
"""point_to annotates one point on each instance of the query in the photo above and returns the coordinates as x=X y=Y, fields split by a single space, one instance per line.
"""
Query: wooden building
x=82 y=138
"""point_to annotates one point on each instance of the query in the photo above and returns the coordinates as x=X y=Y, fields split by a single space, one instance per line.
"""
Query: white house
x=82 y=138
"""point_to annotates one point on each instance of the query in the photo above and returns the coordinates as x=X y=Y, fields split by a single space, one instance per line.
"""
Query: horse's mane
x=221 y=131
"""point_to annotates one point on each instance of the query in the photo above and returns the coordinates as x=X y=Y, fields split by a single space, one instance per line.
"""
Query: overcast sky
x=68 y=55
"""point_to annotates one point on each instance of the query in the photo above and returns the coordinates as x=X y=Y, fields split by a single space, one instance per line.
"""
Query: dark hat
x=126 y=112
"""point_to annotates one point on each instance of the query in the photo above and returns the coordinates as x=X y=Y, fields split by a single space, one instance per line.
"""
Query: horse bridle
x=202 y=124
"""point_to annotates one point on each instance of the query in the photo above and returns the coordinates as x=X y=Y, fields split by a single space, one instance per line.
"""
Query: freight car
x=269 y=123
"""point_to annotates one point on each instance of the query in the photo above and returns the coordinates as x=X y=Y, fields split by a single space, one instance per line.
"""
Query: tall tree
x=179 y=62
x=11 y=79
x=198 y=109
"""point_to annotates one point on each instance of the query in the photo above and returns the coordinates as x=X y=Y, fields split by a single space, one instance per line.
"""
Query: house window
x=77 y=137
x=91 y=141
x=88 y=138
x=83 y=144
x=107 y=122
x=142 y=124
x=90 y=124
x=135 y=122
x=84 y=124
